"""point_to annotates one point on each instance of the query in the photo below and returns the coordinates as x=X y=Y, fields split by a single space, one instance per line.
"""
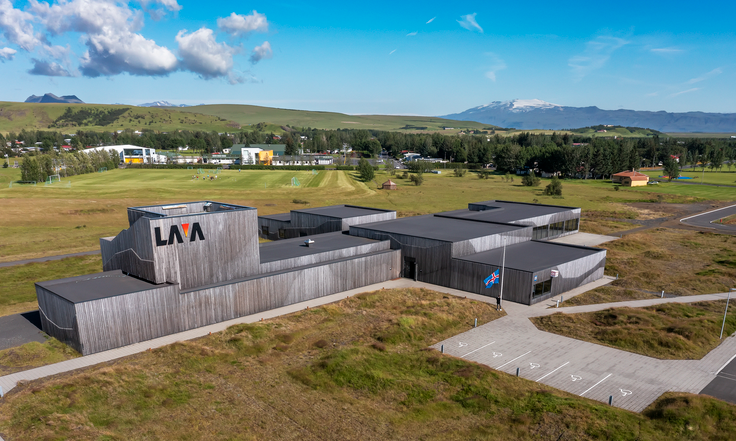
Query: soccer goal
x=200 y=171
x=190 y=168
x=53 y=178
x=219 y=170
x=314 y=172
x=102 y=169
x=295 y=182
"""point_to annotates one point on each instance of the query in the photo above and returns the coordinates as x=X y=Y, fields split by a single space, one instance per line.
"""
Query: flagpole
x=503 y=265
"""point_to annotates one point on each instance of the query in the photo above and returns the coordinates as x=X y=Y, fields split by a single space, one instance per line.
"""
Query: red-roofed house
x=630 y=178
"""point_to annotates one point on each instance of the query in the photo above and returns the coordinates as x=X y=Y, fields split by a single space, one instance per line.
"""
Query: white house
x=132 y=154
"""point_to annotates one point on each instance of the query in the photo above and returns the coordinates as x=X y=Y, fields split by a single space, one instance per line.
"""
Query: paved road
x=709 y=218
x=47 y=258
x=585 y=369
x=724 y=385
x=18 y=329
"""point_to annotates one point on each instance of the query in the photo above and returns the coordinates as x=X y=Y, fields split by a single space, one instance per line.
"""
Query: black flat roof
x=283 y=217
x=343 y=211
x=290 y=248
x=439 y=228
x=503 y=211
x=532 y=256
x=96 y=286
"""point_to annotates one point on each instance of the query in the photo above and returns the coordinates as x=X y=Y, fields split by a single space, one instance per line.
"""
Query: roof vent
x=207 y=207
x=308 y=242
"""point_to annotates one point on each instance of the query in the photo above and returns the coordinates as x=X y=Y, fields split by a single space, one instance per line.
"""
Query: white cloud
x=684 y=91
x=157 y=8
x=17 y=28
x=112 y=53
x=496 y=64
x=392 y=52
x=430 y=20
x=48 y=68
x=87 y=16
x=411 y=34
x=597 y=53
x=469 y=23
x=7 y=53
x=243 y=24
x=202 y=54
x=262 y=52
x=711 y=74
x=666 y=50
x=653 y=94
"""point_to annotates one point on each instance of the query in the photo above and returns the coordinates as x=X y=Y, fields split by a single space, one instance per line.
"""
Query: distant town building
x=630 y=178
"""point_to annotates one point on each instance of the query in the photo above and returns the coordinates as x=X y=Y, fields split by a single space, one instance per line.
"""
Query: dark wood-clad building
x=182 y=266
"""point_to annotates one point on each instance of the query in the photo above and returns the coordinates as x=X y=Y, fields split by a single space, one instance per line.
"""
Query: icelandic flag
x=492 y=279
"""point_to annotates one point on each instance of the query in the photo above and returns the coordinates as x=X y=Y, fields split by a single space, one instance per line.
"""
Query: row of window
x=555 y=229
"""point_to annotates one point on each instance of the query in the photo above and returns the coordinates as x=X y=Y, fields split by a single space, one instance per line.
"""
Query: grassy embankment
x=680 y=262
x=34 y=354
x=357 y=369
x=669 y=331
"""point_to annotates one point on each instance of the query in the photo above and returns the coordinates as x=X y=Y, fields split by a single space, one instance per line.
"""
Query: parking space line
x=512 y=360
x=463 y=356
x=591 y=387
x=550 y=373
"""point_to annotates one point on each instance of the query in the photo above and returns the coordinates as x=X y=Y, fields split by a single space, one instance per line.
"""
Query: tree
x=459 y=172
x=671 y=168
x=531 y=180
x=417 y=179
x=291 y=149
x=554 y=188
x=373 y=147
x=365 y=169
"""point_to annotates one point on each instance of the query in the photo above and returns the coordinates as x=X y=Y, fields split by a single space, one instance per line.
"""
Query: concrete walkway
x=586 y=369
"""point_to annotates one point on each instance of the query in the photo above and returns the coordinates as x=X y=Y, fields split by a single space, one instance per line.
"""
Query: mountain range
x=162 y=104
x=538 y=114
x=51 y=98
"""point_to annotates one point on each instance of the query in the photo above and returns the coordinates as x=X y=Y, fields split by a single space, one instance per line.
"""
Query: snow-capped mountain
x=162 y=104
x=538 y=114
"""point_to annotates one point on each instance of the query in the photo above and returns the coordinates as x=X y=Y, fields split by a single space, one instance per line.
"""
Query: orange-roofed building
x=630 y=178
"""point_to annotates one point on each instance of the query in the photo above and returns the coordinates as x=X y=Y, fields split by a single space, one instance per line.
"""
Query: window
x=556 y=228
x=264 y=228
x=540 y=232
x=572 y=224
x=542 y=288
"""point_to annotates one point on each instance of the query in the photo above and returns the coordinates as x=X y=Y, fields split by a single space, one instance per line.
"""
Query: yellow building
x=630 y=178
x=265 y=157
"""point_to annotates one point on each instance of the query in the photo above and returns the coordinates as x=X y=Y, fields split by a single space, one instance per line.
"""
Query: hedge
x=231 y=167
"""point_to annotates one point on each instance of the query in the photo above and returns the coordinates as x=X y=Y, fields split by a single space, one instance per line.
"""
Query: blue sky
x=424 y=58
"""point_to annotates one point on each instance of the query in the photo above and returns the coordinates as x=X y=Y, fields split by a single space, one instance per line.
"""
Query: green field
x=723 y=177
x=619 y=132
x=700 y=135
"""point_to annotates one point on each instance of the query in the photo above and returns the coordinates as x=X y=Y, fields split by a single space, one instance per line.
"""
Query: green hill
x=15 y=117
x=602 y=131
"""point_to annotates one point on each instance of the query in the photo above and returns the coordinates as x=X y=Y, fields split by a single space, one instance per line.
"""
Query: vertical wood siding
x=469 y=276
x=58 y=318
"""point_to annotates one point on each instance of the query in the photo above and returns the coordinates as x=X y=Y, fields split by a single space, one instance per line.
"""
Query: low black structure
x=182 y=266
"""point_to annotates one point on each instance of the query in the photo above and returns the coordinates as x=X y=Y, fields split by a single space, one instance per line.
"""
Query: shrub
x=554 y=188
x=459 y=172
x=366 y=170
x=417 y=179
x=531 y=180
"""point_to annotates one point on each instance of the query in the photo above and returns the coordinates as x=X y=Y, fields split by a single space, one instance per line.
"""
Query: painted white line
x=513 y=360
x=463 y=356
x=550 y=373
x=725 y=364
x=591 y=387
x=707 y=212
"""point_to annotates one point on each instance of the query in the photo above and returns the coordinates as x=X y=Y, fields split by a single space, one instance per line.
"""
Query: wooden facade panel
x=486 y=243
x=573 y=274
x=468 y=276
x=280 y=265
x=58 y=318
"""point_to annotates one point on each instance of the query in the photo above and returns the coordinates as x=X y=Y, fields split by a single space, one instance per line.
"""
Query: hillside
x=538 y=114
x=15 y=117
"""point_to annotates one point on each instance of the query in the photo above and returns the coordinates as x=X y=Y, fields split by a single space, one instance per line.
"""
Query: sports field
x=724 y=177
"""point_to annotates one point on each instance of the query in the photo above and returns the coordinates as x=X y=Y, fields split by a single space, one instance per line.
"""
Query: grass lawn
x=17 y=291
x=356 y=369
x=723 y=177
x=680 y=262
x=669 y=331
x=34 y=354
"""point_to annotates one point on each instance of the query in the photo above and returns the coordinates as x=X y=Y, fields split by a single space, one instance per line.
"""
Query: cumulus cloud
x=87 y=16
x=202 y=54
x=597 y=53
x=112 y=53
x=469 y=23
x=261 y=52
x=48 y=68
x=17 y=28
x=236 y=24
x=7 y=53
x=157 y=9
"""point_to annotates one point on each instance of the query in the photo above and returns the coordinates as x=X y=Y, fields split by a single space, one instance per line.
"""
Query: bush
x=531 y=180
x=554 y=188
x=459 y=172
x=366 y=170
x=417 y=179
x=420 y=166
x=5 y=164
x=484 y=174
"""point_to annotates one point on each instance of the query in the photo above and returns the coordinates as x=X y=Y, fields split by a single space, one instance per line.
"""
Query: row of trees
x=39 y=167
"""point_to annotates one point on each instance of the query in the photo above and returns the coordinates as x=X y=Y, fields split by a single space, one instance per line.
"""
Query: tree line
x=39 y=167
